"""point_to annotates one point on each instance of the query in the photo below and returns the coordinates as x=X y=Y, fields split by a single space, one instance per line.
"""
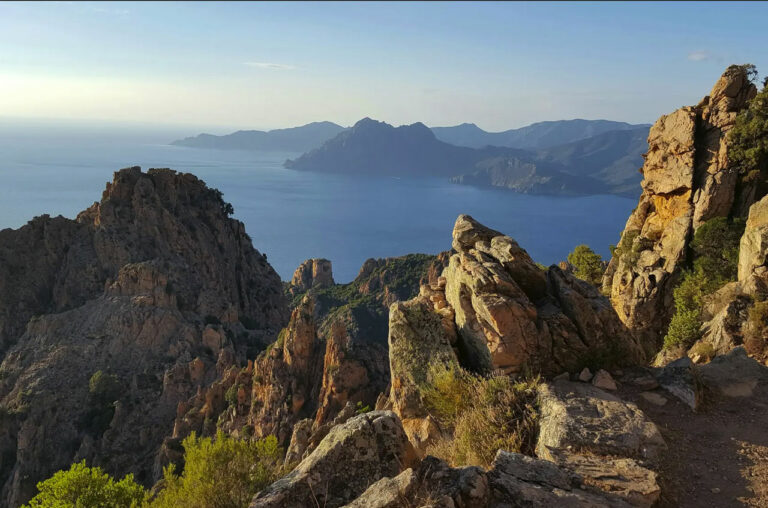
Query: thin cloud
x=699 y=56
x=116 y=12
x=269 y=65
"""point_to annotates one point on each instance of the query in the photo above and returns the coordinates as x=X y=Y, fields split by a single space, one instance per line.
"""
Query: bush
x=104 y=387
x=588 y=265
x=231 y=395
x=87 y=487
x=715 y=247
x=220 y=472
x=482 y=415
x=748 y=139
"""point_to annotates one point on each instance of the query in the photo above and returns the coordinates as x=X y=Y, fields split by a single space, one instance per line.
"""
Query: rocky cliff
x=688 y=180
x=109 y=321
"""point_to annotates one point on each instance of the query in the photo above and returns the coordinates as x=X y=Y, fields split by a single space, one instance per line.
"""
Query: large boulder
x=601 y=438
x=582 y=417
x=511 y=315
x=688 y=180
x=348 y=460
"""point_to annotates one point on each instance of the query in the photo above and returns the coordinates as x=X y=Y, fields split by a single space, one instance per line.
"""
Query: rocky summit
x=156 y=289
x=688 y=180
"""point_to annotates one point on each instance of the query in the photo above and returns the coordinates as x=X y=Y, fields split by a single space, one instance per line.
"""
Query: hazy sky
x=268 y=65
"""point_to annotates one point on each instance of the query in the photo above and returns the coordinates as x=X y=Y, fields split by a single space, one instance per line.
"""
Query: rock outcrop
x=688 y=180
x=154 y=286
x=312 y=273
x=513 y=480
x=331 y=359
x=349 y=459
x=512 y=315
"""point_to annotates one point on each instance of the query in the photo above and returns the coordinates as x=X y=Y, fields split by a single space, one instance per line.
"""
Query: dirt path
x=718 y=457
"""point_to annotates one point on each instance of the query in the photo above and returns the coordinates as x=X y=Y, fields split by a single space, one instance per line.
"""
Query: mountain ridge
x=604 y=164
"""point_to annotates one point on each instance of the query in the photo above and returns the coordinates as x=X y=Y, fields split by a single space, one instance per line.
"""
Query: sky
x=263 y=65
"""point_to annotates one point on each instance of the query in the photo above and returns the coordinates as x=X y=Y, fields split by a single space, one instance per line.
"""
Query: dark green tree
x=587 y=264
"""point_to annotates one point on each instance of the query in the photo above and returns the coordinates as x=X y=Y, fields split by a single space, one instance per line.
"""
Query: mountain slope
x=535 y=136
x=295 y=139
x=606 y=163
x=613 y=157
x=372 y=147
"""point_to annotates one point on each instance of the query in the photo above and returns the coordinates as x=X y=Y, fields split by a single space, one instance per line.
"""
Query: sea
x=61 y=167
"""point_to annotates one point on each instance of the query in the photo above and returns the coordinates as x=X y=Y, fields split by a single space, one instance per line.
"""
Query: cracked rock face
x=511 y=315
x=688 y=180
x=351 y=457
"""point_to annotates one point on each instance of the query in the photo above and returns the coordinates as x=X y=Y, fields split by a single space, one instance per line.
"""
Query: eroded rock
x=349 y=459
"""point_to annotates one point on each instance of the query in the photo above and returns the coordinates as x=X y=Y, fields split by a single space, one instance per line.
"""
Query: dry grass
x=480 y=415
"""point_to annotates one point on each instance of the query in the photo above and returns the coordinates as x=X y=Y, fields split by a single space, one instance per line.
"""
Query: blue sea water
x=61 y=168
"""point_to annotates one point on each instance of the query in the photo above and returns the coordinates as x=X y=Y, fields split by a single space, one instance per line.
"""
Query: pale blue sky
x=268 y=65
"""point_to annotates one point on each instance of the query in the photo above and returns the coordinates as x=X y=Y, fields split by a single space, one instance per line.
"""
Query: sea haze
x=62 y=169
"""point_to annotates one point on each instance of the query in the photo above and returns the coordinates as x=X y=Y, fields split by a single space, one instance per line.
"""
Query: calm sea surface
x=61 y=168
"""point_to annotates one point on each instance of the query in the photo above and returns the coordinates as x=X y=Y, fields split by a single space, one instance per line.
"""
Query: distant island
x=295 y=139
x=607 y=163
x=565 y=157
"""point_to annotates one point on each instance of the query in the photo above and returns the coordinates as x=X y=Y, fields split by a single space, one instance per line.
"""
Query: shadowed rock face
x=512 y=315
x=154 y=284
x=688 y=180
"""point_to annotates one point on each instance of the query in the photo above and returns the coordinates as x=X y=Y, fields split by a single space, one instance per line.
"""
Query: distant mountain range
x=604 y=164
x=295 y=139
x=532 y=137
x=568 y=157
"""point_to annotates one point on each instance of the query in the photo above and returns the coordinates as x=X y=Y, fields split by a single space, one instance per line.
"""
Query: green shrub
x=447 y=392
x=587 y=264
x=220 y=472
x=684 y=328
x=362 y=409
x=628 y=250
x=104 y=387
x=482 y=415
x=86 y=487
x=748 y=139
x=715 y=248
x=231 y=394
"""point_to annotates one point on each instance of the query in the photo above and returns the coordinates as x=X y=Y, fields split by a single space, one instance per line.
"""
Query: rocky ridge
x=156 y=287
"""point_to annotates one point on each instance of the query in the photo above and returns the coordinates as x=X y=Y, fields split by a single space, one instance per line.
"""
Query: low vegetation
x=748 y=139
x=480 y=415
x=715 y=249
x=87 y=487
x=220 y=472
